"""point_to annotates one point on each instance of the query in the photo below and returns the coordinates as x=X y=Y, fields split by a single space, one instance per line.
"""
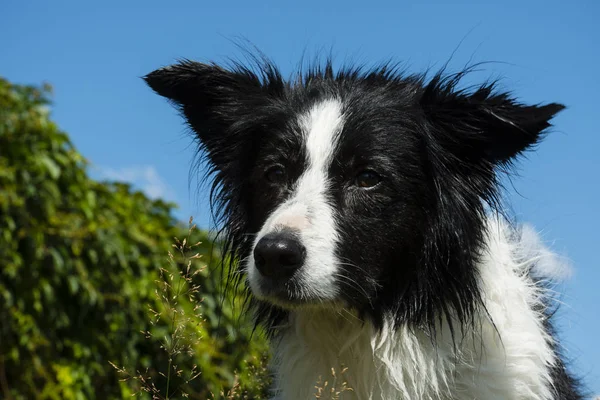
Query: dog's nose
x=279 y=255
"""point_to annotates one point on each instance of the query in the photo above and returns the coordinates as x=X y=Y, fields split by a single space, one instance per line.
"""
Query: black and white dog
x=363 y=208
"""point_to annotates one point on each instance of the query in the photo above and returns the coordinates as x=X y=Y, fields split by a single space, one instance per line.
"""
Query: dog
x=363 y=206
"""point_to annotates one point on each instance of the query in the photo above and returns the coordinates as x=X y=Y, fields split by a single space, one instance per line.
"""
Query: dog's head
x=356 y=189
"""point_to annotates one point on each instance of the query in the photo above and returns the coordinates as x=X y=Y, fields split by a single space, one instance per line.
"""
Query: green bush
x=80 y=272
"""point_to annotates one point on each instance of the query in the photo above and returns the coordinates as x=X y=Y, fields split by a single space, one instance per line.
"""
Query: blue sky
x=94 y=53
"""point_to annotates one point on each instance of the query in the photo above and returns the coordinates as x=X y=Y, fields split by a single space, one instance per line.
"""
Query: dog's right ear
x=222 y=106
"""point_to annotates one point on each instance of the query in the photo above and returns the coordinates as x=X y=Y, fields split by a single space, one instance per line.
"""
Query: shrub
x=80 y=267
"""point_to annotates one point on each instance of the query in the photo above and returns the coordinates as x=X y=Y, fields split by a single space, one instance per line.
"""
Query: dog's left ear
x=226 y=108
x=483 y=125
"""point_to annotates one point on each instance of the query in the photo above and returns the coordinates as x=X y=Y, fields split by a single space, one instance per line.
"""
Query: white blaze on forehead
x=308 y=210
x=322 y=127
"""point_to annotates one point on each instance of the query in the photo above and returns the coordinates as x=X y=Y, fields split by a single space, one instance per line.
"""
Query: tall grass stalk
x=175 y=283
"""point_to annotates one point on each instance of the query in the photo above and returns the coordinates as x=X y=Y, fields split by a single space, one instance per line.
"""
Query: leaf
x=52 y=168
x=57 y=259
x=73 y=282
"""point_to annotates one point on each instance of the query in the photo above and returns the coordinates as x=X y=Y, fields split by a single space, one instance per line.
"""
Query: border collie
x=363 y=207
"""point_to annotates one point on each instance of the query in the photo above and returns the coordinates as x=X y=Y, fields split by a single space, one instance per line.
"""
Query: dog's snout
x=279 y=255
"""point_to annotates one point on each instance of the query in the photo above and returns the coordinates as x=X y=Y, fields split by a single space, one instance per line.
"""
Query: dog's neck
x=336 y=347
x=510 y=358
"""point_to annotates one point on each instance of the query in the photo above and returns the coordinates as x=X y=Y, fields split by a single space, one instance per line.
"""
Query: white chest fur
x=509 y=359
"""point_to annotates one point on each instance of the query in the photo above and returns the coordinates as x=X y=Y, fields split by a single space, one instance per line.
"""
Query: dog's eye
x=367 y=179
x=275 y=174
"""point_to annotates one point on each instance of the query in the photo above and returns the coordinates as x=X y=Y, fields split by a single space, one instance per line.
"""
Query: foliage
x=81 y=269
